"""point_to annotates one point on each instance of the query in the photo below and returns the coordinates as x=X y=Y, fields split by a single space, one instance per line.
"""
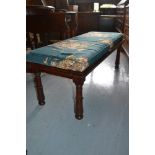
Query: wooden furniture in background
x=33 y=2
x=73 y=22
x=60 y=5
x=88 y=21
x=43 y=22
x=126 y=31
x=107 y=23
x=85 y=6
x=122 y=23
x=48 y=2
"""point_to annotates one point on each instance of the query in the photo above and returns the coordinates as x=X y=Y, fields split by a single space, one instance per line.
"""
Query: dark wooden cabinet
x=107 y=23
x=88 y=21
x=116 y=19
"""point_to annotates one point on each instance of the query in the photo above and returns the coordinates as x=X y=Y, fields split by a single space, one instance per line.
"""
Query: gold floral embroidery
x=72 y=44
x=96 y=34
x=45 y=61
x=72 y=63
x=109 y=42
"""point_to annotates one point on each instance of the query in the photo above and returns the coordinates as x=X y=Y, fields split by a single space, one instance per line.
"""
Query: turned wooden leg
x=117 y=58
x=78 y=105
x=39 y=89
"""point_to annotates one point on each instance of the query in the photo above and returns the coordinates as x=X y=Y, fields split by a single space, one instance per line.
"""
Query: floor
x=104 y=130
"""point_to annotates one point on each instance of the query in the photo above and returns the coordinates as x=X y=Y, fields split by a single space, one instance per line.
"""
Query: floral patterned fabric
x=76 y=53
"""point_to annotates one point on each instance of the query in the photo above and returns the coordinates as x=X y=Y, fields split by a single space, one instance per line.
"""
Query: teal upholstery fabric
x=76 y=53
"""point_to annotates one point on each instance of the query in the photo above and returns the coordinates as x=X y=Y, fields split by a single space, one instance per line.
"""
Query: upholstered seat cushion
x=76 y=53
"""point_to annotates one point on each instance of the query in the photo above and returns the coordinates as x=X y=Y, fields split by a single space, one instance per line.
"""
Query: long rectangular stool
x=73 y=58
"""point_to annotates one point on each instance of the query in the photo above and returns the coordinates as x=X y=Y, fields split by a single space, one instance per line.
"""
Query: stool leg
x=117 y=58
x=39 y=89
x=78 y=105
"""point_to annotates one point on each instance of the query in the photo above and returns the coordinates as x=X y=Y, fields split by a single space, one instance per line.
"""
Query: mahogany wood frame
x=77 y=77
